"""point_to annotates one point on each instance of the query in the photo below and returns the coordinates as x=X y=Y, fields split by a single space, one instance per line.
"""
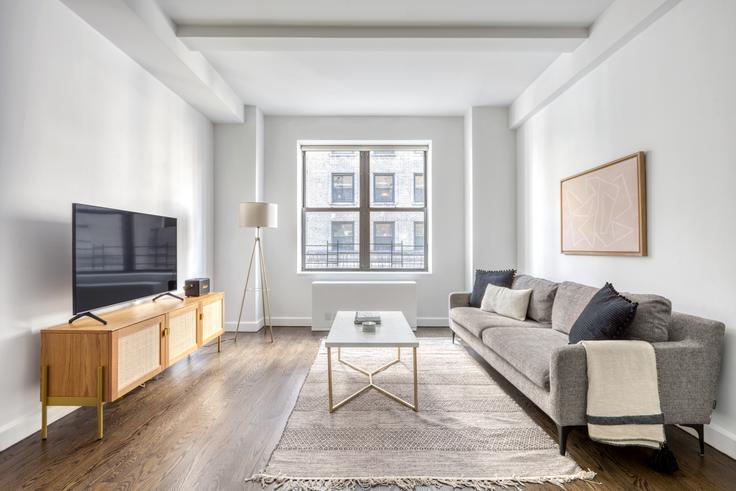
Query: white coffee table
x=393 y=332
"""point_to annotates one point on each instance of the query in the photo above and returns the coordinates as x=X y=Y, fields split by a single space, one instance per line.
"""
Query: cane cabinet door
x=180 y=336
x=137 y=355
x=211 y=319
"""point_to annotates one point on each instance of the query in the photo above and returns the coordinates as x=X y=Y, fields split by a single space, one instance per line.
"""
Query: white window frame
x=357 y=145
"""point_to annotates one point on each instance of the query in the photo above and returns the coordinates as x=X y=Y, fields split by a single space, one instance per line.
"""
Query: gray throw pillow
x=543 y=296
x=652 y=320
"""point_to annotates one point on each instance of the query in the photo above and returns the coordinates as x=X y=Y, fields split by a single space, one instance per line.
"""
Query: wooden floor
x=212 y=420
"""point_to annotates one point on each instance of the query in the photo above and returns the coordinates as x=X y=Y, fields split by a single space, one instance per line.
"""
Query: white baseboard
x=254 y=326
x=245 y=326
x=292 y=321
x=432 y=322
x=25 y=426
x=718 y=438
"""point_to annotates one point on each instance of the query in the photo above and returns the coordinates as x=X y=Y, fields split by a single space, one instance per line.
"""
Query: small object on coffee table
x=368 y=326
x=361 y=317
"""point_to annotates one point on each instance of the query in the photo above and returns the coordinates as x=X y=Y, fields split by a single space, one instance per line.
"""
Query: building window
x=359 y=209
x=383 y=236
x=343 y=187
x=418 y=187
x=383 y=188
x=418 y=237
x=342 y=236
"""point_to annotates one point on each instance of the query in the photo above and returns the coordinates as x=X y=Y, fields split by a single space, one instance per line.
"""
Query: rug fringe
x=289 y=483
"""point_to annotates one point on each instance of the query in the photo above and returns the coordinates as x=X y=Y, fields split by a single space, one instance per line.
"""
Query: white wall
x=669 y=92
x=291 y=297
x=490 y=155
x=80 y=122
x=239 y=177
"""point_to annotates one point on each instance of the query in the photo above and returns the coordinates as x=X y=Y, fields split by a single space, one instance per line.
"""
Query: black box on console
x=196 y=287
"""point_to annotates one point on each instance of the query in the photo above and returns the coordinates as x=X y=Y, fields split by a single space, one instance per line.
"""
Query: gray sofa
x=534 y=354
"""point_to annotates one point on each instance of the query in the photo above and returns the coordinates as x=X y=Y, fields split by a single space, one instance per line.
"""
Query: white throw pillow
x=505 y=301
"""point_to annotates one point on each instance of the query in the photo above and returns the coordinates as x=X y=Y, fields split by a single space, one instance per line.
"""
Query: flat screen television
x=120 y=256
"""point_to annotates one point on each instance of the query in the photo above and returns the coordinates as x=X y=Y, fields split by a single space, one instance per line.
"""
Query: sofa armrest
x=568 y=385
x=687 y=382
x=459 y=299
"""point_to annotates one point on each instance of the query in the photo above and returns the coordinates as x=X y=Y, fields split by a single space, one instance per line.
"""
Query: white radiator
x=330 y=296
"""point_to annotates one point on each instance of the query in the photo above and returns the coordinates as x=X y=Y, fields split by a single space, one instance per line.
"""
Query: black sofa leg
x=453 y=337
x=562 y=434
x=701 y=436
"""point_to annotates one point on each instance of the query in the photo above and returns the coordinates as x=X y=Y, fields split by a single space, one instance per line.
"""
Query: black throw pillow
x=483 y=278
x=607 y=316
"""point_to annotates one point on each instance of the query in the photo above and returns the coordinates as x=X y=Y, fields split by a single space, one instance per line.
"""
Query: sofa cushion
x=543 y=296
x=570 y=300
x=652 y=320
x=476 y=321
x=527 y=350
x=607 y=316
x=483 y=278
x=505 y=301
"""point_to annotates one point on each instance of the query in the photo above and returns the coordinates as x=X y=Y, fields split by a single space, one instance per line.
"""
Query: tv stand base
x=88 y=314
x=167 y=294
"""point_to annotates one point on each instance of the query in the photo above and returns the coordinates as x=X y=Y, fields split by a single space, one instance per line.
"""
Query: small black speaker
x=196 y=287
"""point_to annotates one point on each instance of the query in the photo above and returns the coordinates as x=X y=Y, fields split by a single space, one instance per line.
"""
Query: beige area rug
x=468 y=432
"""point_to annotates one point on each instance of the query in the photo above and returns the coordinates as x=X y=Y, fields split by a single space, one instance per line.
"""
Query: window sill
x=364 y=274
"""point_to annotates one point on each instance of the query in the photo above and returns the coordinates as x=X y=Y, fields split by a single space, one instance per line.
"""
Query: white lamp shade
x=258 y=214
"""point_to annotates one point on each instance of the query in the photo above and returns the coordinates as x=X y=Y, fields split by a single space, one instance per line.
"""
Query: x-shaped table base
x=371 y=385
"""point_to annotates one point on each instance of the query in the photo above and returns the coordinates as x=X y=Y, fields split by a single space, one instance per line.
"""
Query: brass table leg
x=219 y=343
x=416 y=391
x=371 y=385
x=329 y=378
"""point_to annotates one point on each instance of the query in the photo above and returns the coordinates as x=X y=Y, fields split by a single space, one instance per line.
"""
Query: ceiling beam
x=364 y=38
x=147 y=35
x=618 y=25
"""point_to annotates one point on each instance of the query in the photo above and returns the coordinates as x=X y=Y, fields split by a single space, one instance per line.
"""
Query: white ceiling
x=377 y=83
x=355 y=73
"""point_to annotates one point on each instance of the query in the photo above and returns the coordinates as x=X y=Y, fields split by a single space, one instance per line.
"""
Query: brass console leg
x=44 y=395
x=100 y=399
x=219 y=343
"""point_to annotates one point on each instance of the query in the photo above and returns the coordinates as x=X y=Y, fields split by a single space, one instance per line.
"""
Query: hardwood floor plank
x=213 y=419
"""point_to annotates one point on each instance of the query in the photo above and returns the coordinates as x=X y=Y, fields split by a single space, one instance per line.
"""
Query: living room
x=393 y=244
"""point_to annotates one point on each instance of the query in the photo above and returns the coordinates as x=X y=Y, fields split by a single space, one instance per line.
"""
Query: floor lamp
x=258 y=215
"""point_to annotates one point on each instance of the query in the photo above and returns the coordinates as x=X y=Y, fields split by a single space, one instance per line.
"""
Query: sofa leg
x=562 y=434
x=453 y=337
x=701 y=436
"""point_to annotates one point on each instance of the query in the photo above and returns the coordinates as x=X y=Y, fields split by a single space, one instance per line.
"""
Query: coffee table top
x=393 y=331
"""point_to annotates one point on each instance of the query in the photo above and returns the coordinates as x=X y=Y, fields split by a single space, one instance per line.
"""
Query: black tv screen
x=120 y=256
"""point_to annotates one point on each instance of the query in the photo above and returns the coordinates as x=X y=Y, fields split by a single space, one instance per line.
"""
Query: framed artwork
x=604 y=210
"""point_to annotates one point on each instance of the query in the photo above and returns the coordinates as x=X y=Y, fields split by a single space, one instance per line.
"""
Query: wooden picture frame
x=603 y=210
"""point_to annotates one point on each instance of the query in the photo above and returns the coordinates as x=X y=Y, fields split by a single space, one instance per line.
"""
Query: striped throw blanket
x=623 y=394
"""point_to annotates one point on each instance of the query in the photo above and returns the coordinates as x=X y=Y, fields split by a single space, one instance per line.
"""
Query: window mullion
x=365 y=230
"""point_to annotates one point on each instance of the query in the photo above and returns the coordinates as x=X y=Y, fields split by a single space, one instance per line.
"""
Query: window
x=418 y=187
x=383 y=236
x=363 y=208
x=383 y=188
x=418 y=235
x=342 y=236
x=343 y=187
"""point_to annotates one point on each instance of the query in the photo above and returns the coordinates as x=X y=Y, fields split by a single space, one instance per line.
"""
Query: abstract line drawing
x=603 y=210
